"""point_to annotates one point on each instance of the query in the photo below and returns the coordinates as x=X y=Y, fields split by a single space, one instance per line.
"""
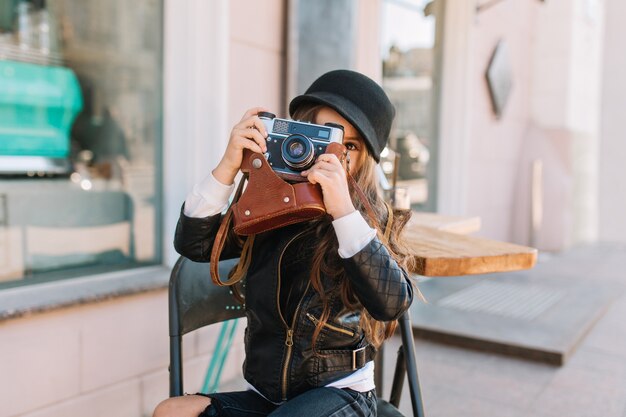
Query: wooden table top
x=439 y=252
x=454 y=224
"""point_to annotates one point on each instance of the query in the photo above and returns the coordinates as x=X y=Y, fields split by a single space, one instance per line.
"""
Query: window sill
x=37 y=298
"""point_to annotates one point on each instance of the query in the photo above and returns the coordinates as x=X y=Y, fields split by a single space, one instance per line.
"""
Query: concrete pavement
x=592 y=383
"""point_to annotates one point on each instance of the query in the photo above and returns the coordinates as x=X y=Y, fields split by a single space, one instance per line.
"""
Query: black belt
x=335 y=360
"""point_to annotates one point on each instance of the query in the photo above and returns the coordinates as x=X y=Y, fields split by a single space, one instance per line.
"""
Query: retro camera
x=293 y=146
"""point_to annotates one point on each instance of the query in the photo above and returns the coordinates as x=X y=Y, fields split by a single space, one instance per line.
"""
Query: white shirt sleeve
x=207 y=198
x=353 y=233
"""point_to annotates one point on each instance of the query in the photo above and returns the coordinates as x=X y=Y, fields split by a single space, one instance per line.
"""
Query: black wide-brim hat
x=359 y=99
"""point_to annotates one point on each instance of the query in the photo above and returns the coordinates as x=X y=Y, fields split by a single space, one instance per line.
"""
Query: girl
x=321 y=296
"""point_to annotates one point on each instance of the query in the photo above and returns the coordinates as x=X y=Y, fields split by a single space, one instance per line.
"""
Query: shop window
x=409 y=69
x=80 y=137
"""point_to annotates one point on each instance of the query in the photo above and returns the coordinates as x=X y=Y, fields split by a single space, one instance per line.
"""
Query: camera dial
x=298 y=152
x=266 y=115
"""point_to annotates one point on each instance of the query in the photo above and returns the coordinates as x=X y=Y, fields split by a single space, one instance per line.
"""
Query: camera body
x=293 y=146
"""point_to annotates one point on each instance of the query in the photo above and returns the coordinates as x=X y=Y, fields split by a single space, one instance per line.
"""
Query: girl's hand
x=249 y=133
x=330 y=174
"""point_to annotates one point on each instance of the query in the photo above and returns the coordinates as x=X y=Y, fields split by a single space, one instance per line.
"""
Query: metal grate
x=281 y=126
x=503 y=299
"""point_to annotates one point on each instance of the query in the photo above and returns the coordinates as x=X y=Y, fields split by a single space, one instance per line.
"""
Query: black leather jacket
x=282 y=307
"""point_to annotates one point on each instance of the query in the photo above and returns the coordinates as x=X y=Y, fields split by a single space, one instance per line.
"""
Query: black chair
x=194 y=302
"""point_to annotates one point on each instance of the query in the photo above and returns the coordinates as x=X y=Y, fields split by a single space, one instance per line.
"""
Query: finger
x=329 y=167
x=260 y=126
x=316 y=168
x=253 y=135
x=318 y=177
x=248 y=122
x=253 y=122
x=253 y=112
x=330 y=158
x=328 y=170
x=245 y=143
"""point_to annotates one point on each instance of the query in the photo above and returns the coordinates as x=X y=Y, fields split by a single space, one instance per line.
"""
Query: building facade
x=84 y=303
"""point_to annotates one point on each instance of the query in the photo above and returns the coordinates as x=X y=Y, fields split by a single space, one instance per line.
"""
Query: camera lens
x=296 y=149
x=297 y=152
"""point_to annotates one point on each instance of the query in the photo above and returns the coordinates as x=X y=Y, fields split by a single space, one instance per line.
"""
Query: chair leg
x=176 y=366
x=398 y=379
x=411 y=364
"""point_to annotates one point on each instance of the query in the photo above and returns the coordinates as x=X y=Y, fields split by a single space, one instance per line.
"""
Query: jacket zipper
x=289 y=338
x=315 y=320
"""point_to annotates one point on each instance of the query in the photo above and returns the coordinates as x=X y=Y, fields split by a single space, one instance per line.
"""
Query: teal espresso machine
x=38 y=105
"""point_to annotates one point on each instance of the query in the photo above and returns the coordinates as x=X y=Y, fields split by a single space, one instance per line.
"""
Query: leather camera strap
x=220 y=240
x=370 y=211
x=368 y=208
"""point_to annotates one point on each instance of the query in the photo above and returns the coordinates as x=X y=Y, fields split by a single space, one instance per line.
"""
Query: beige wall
x=108 y=358
x=256 y=56
x=479 y=154
x=368 y=27
x=257 y=53
x=564 y=127
x=612 y=187
x=495 y=144
x=552 y=114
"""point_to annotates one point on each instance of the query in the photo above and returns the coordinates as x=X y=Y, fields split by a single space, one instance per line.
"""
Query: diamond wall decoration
x=499 y=77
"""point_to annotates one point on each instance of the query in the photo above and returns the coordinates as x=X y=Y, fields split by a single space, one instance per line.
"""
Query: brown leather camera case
x=269 y=202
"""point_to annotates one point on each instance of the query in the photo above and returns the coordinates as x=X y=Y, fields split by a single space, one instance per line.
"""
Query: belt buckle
x=354 y=352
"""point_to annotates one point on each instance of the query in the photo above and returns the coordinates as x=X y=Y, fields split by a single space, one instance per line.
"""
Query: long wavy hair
x=326 y=260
